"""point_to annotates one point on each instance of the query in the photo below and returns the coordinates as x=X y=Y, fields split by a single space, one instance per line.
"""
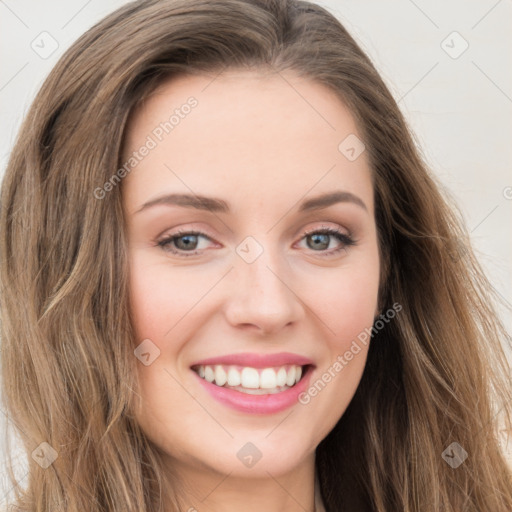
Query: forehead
x=254 y=134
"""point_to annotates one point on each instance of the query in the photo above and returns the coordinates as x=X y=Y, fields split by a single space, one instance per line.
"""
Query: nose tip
x=262 y=299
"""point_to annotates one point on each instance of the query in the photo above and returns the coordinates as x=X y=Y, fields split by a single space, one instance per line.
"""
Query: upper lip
x=255 y=360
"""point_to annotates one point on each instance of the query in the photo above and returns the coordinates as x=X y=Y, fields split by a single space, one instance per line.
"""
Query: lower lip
x=258 y=404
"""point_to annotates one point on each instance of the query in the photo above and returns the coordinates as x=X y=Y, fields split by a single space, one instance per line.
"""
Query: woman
x=230 y=282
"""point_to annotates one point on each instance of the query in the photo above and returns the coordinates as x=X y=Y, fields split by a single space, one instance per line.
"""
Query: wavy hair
x=435 y=375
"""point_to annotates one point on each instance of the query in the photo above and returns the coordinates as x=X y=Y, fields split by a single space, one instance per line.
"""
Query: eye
x=321 y=240
x=184 y=243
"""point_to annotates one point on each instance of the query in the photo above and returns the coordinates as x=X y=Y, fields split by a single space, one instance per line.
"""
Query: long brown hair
x=434 y=376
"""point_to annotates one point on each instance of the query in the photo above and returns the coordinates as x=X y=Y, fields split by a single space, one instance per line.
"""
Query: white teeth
x=209 y=374
x=252 y=380
x=268 y=379
x=281 y=377
x=290 y=379
x=234 y=377
x=220 y=376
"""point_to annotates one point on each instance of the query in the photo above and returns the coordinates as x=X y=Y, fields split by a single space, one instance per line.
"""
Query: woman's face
x=253 y=254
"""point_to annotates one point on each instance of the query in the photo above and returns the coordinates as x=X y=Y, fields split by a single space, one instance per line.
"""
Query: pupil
x=189 y=241
x=320 y=241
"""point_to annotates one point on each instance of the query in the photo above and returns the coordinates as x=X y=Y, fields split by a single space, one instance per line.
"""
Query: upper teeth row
x=252 y=378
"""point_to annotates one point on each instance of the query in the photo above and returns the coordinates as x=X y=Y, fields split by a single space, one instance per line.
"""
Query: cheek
x=345 y=306
x=160 y=298
x=345 y=301
x=150 y=306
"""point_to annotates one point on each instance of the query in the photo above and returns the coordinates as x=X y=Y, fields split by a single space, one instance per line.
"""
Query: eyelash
x=346 y=241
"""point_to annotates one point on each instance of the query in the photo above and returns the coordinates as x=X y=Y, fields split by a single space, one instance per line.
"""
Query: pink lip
x=258 y=404
x=257 y=360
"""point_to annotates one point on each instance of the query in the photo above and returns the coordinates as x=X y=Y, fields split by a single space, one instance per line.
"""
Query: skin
x=263 y=143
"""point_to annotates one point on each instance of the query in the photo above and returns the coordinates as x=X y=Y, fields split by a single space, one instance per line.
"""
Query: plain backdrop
x=447 y=63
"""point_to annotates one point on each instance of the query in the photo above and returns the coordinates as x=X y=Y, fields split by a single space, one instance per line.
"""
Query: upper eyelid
x=201 y=232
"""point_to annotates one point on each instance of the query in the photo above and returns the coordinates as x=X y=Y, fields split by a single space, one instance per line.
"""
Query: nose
x=262 y=297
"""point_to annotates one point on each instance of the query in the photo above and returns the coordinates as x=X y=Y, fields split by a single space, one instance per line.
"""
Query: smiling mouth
x=252 y=381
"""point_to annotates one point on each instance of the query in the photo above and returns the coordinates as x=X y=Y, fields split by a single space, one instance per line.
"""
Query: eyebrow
x=213 y=204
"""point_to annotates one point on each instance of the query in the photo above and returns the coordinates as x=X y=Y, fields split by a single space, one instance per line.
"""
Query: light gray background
x=459 y=106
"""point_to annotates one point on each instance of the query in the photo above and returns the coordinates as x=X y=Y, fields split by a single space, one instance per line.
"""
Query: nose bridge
x=262 y=295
